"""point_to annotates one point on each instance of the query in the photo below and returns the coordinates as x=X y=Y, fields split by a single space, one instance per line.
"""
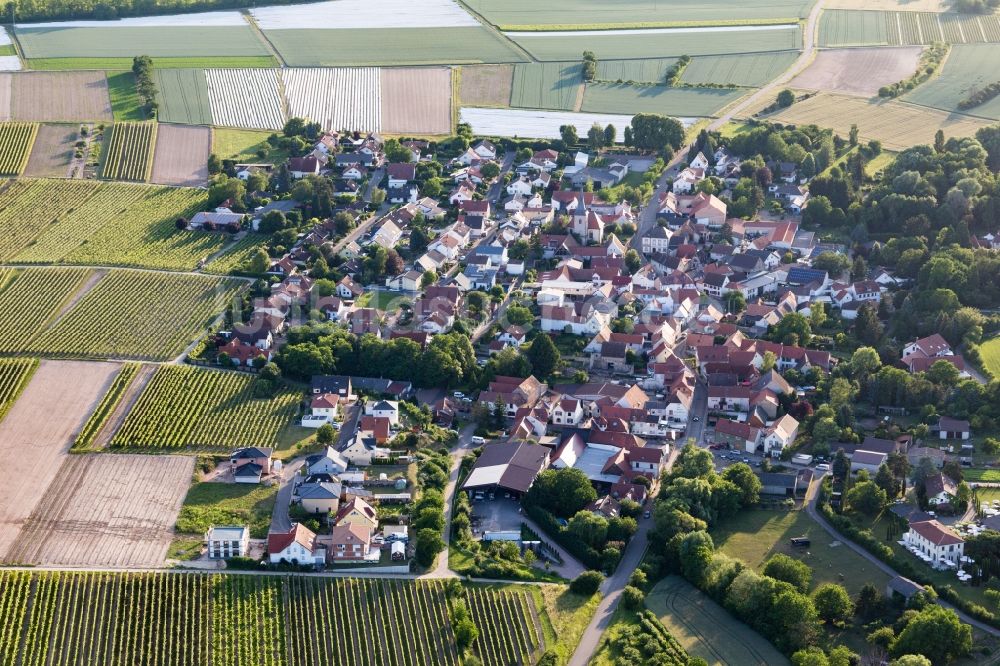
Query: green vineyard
x=85 y=439
x=186 y=407
x=14 y=376
x=508 y=631
x=137 y=315
x=32 y=300
x=16 y=140
x=128 y=155
x=191 y=619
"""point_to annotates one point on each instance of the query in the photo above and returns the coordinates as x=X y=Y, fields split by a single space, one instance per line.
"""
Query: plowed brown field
x=52 y=152
x=858 y=71
x=181 y=155
x=55 y=96
x=416 y=100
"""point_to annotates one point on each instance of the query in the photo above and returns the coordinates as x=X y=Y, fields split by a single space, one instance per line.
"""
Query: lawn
x=990 y=351
x=565 y=618
x=982 y=475
x=707 y=630
x=754 y=536
x=623 y=98
x=125 y=101
x=242 y=145
x=58 y=64
x=208 y=504
x=387 y=301
x=127 y=42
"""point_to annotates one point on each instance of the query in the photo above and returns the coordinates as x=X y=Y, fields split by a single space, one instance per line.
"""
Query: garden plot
x=838 y=70
x=106 y=510
x=968 y=67
x=338 y=98
x=37 y=432
x=485 y=85
x=352 y=14
x=245 y=98
x=181 y=156
x=53 y=151
x=60 y=96
x=183 y=96
x=540 y=124
x=416 y=101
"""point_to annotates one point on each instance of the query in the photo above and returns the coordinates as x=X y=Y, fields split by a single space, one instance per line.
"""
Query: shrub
x=587 y=583
x=632 y=597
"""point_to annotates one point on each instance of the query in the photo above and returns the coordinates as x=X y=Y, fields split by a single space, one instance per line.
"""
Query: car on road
x=823 y=467
x=646 y=514
x=696 y=419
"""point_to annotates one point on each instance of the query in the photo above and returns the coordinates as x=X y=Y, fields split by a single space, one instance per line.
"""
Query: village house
x=225 y=541
x=349 y=542
x=940 y=489
x=296 y=546
x=319 y=497
x=328 y=462
x=937 y=542
x=250 y=464
x=949 y=428
x=357 y=511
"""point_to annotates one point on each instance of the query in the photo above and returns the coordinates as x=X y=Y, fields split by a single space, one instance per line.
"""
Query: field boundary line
x=248 y=17
x=125 y=404
x=498 y=32
x=151 y=152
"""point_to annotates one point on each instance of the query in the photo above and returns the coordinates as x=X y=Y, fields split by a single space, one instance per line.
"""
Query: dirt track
x=60 y=96
x=181 y=155
x=5 y=83
x=37 y=432
x=106 y=510
x=416 y=100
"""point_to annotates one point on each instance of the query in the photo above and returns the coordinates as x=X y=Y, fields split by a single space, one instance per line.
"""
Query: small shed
x=397 y=550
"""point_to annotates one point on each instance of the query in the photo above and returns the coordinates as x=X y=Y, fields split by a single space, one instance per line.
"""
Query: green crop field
x=849 y=27
x=128 y=153
x=644 y=70
x=86 y=222
x=739 y=70
x=183 y=96
x=394 y=46
x=968 y=67
x=127 y=42
x=547 y=85
x=16 y=140
x=137 y=315
x=14 y=376
x=186 y=407
x=195 y=62
x=688 y=102
x=663 y=43
x=32 y=300
x=193 y=619
x=567 y=14
x=85 y=440
x=990 y=351
x=125 y=101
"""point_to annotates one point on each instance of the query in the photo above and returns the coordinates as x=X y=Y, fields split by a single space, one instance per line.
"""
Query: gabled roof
x=279 y=541
x=936 y=533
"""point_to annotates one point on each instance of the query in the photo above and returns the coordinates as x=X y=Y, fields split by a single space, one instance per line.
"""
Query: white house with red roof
x=936 y=542
x=296 y=546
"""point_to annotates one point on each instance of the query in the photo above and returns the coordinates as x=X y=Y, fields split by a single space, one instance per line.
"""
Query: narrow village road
x=280 y=521
x=441 y=569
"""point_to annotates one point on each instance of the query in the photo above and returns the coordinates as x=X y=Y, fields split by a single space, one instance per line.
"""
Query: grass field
x=757 y=535
x=990 y=351
x=186 y=407
x=547 y=85
x=128 y=154
x=707 y=630
x=661 y=43
x=16 y=140
x=485 y=85
x=897 y=125
x=210 y=504
x=738 y=70
x=688 y=102
x=136 y=315
x=110 y=64
x=126 y=42
x=367 y=46
x=982 y=475
x=566 y=14
x=183 y=96
x=242 y=145
x=14 y=376
x=32 y=300
x=125 y=102
x=841 y=27
x=968 y=67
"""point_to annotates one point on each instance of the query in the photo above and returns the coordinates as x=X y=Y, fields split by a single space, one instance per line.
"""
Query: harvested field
x=37 y=432
x=181 y=156
x=416 y=101
x=485 y=85
x=968 y=67
x=338 y=98
x=106 y=510
x=53 y=150
x=897 y=125
x=60 y=96
x=368 y=46
x=183 y=96
x=837 y=70
x=615 y=98
x=752 y=69
x=245 y=98
x=547 y=85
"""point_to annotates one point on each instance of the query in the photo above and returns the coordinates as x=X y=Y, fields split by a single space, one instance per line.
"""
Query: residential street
x=280 y=522
x=441 y=569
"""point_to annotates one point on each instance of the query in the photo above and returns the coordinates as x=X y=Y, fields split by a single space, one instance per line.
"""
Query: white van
x=478 y=441
x=823 y=467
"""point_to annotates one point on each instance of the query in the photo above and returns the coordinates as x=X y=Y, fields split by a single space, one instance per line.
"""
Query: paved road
x=280 y=522
x=699 y=410
x=812 y=499
x=441 y=569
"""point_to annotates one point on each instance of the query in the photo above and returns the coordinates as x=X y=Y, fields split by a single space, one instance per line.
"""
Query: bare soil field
x=897 y=125
x=37 y=432
x=416 y=100
x=106 y=510
x=52 y=152
x=55 y=96
x=5 y=87
x=891 y=5
x=485 y=85
x=858 y=71
x=181 y=155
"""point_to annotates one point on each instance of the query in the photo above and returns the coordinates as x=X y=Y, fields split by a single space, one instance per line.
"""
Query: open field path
x=38 y=431
x=248 y=17
x=124 y=406
x=84 y=289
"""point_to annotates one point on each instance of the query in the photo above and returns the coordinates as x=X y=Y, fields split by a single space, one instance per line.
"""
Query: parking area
x=501 y=514
x=726 y=457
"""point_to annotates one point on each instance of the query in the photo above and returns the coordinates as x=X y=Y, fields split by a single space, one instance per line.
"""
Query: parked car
x=646 y=514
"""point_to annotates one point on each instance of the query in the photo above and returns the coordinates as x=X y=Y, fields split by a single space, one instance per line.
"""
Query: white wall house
x=935 y=541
